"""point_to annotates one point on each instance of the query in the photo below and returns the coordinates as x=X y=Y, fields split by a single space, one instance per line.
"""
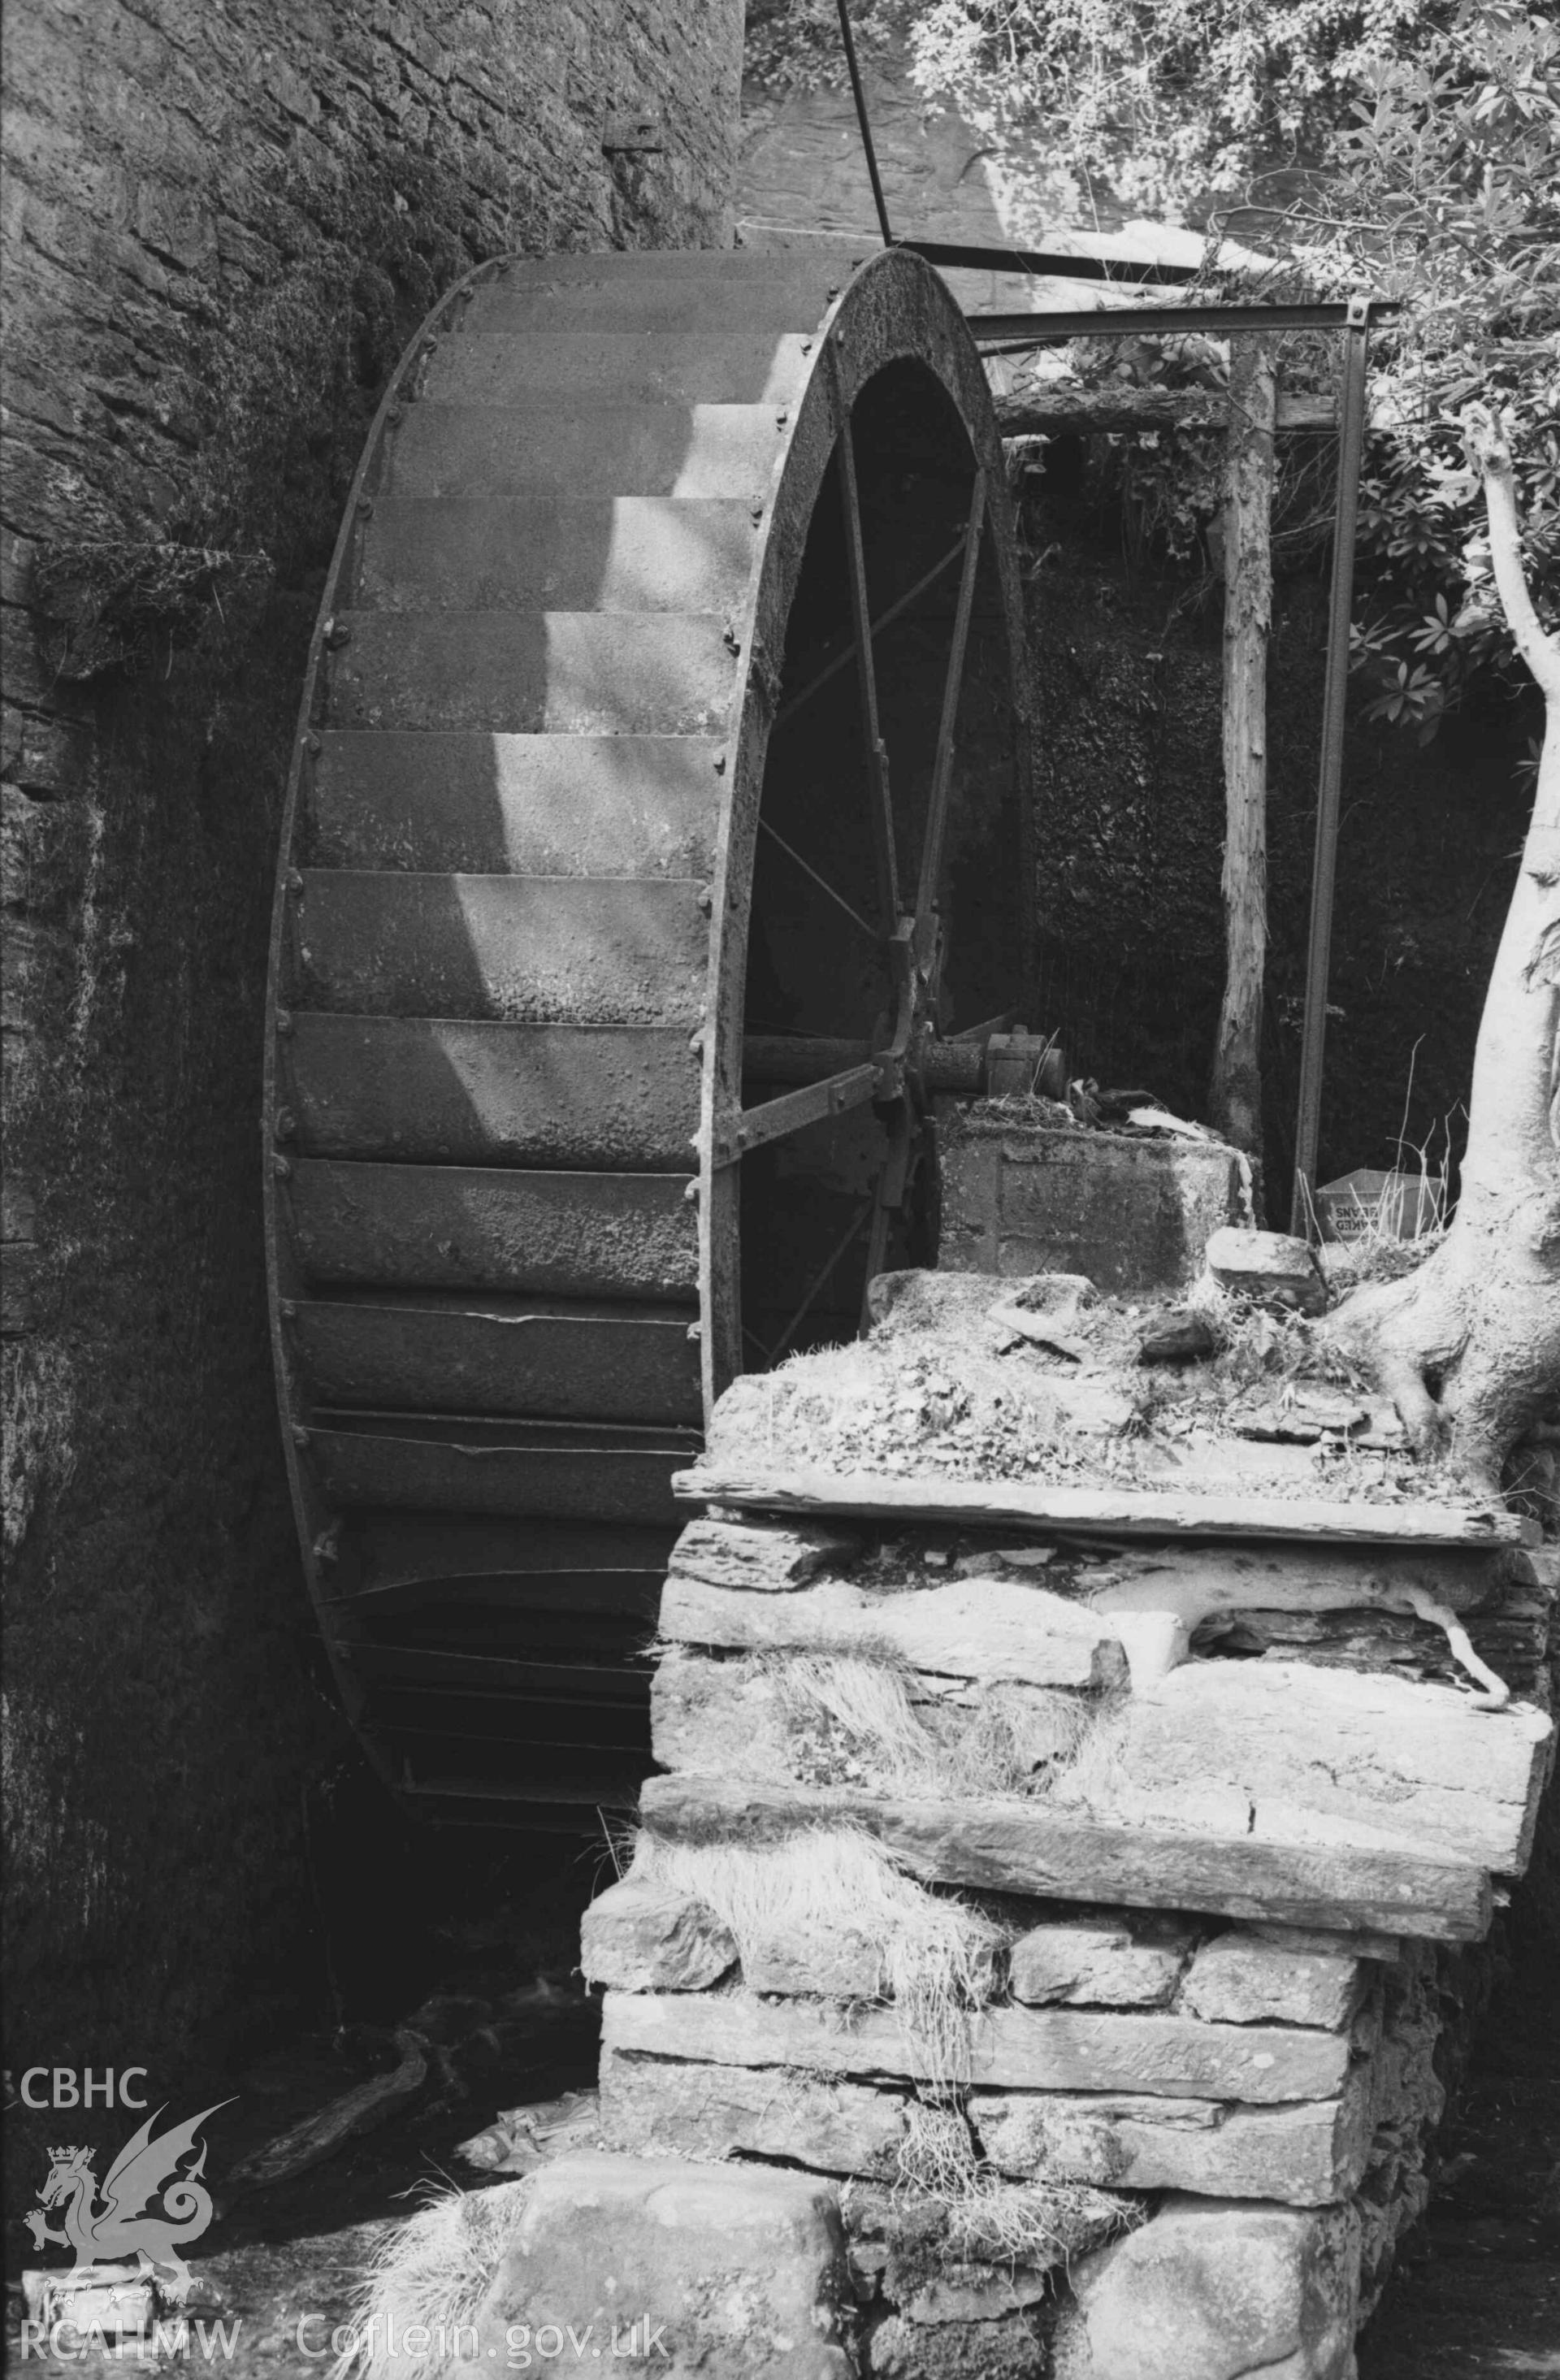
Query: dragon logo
x=146 y=2208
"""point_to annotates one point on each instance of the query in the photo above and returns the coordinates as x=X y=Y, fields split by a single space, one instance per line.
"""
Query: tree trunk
x=1469 y=1346
x=1235 y=1091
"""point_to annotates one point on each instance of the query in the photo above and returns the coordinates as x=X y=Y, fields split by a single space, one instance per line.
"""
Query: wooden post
x=1329 y=790
x=1235 y=1092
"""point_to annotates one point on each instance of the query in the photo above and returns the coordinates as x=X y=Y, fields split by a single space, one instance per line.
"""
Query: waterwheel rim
x=510 y=961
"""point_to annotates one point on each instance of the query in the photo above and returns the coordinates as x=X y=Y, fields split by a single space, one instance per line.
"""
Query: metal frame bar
x=957 y=256
x=1324 y=875
x=1040 y=330
x=860 y=97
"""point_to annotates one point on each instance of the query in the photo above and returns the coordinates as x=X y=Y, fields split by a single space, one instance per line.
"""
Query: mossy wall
x=222 y=222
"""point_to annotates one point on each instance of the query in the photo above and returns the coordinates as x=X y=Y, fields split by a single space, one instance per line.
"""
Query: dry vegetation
x=939 y=1956
x=433 y=2271
x=1277 y=1409
x=854 y=1721
x=984 y=2219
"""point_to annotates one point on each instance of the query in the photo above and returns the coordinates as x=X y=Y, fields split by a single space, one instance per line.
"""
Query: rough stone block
x=1309 y=2154
x=1410 y=1762
x=741 y=2268
x=1217 y=2289
x=907 y=1305
x=645 y=1938
x=961 y=2292
x=1312 y=2153
x=758 y=1556
x=1352 y=1877
x=1237 y=1981
x=834 y=1961
x=1267 y=1265
x=663 y=2107
x=1097 y=1962
x=995 y=1628
x=1132 y=1214
x=1011 y=2048
x=718 y=1719
x=1011 y=2346
x=730 y=1718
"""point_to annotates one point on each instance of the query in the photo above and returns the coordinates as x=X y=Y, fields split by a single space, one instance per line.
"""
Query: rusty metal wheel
x=656 y=826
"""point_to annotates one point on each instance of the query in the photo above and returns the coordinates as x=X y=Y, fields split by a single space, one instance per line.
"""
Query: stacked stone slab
x=1217 y=1995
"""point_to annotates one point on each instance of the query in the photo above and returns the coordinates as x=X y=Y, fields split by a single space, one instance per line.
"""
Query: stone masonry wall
x=221 y=223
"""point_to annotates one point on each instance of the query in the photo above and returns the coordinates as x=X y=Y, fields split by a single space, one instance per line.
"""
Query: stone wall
x=222 y=222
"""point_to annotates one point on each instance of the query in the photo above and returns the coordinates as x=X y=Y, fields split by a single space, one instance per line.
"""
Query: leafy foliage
x=1444 y=187
x=1409 y=146
x=794 y=44
x=1158 y=99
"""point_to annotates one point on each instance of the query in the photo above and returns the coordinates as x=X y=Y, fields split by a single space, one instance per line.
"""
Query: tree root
x=1469 y=1352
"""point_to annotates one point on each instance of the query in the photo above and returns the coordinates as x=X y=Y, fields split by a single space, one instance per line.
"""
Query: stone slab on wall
x=221 y=225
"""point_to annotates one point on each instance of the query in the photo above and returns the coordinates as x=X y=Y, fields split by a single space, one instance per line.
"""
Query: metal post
x=878 y=198
x=1351 y=440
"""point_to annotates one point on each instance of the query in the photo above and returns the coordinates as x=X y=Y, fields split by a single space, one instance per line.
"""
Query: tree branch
x=1490 y=454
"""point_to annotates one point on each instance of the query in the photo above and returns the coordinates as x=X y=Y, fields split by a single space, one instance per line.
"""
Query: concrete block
x=1217 y=2289
x=1133 y=1215
x=645 y=1938
x=728 y=2272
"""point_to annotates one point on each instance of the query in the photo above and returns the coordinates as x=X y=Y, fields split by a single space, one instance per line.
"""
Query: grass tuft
x=938 y=1955
x=433 y=2270
x=853 y=1719
x=987 y=2220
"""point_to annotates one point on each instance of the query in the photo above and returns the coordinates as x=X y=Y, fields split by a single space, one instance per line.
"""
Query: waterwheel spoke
x=877 y=751
x=942 y=770
x=820 y=1283
x=885 y=619
x=822 y=882
x=750 y=1128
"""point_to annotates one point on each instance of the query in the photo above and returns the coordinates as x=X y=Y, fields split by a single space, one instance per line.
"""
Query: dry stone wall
x=1109 y=2110
x=220 y=224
